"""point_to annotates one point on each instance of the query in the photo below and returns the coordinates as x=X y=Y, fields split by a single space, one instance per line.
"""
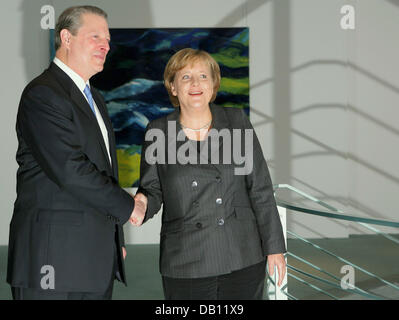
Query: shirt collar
x=77 y=79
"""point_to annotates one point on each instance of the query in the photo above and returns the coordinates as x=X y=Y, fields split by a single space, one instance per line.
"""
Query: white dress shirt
x=81 y=84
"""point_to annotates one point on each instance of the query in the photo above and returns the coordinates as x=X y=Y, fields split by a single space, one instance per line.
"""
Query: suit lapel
x=219 y=122
x=111 y=137
x=79 y=100
x=173 y=128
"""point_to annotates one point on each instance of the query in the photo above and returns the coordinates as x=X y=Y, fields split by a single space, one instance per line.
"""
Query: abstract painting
x=132 y=81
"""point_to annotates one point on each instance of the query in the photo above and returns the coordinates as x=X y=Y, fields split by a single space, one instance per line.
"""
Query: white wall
x=324 y=101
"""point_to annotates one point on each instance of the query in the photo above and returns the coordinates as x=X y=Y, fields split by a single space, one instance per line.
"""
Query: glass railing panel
x=345 y=257
x=368 y=261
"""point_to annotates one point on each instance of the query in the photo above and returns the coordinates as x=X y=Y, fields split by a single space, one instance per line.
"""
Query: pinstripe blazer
x=214 y=221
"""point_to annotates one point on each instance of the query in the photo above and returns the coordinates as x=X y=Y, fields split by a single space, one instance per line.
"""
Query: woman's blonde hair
x=186 y=57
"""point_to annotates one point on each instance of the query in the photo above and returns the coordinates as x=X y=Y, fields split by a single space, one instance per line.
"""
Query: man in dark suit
x=66 y=238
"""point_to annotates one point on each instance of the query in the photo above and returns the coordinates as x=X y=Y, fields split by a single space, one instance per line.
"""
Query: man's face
x=89 y=47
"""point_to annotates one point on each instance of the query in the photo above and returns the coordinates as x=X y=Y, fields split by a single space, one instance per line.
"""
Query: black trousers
x=244 y=284
x=49 y=294
x=40 y=294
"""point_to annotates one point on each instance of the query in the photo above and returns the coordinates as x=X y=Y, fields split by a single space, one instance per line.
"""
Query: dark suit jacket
x=214 y=221
x=69 y=209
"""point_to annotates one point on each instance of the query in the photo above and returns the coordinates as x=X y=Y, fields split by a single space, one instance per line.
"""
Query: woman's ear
x=173 y=90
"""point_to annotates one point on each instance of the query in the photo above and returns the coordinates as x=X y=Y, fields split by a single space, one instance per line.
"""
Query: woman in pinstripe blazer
x=219 y=224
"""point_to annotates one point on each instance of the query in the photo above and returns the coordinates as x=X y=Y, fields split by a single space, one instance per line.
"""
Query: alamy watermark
x=48 y=19
x=48 y=280
x=348 y=280
x=223 y=146
x=348 y=19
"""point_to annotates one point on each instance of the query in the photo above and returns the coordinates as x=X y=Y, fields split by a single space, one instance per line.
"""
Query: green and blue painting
x=132 y=81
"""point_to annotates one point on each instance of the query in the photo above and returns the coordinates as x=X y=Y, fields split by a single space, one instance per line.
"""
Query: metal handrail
x=386 y=223
x=340 y=216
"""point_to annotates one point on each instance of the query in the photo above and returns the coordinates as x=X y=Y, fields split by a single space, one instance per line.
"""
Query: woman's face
x=193 y=85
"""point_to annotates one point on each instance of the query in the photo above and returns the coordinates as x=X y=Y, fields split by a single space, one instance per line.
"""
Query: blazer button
x=199 y=225
x=219 y=201
x=196 y=203
x=218 y=179
x=221 y=222
x=194 y=184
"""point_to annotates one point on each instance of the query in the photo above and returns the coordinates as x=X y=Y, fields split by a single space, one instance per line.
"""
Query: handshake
x=140 y=208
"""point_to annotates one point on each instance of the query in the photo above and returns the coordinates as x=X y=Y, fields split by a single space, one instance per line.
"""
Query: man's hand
x=140 y=207
x=141 y=197
x=279 y=261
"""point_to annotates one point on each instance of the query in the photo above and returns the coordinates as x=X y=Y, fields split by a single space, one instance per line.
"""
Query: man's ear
x=65 y=36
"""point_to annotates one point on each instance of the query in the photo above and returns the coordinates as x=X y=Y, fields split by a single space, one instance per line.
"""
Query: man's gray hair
x=71 y=20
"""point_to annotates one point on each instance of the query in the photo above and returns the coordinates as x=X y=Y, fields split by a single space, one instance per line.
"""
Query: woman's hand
x=277 y=260
x=140 y=208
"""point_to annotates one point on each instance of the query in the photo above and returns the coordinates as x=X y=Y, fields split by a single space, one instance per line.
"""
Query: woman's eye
x=203 y=76
x=185 y=77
